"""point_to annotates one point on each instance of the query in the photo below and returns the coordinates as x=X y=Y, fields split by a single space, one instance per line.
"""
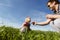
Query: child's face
x=28 y=19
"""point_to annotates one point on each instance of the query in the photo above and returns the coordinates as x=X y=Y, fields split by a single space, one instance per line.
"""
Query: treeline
x=9 y=33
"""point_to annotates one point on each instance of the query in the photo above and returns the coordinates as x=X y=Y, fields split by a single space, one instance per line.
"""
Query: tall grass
x=9 y=33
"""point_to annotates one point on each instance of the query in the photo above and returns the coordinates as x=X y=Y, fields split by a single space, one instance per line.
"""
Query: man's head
x=51 y=4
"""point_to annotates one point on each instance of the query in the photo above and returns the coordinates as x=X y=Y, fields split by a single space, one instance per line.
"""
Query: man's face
x=51 y=5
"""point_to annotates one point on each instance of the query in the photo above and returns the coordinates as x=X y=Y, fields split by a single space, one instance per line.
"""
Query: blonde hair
x=28 y=19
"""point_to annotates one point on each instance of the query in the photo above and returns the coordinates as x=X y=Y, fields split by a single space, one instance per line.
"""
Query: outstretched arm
x=42 y=23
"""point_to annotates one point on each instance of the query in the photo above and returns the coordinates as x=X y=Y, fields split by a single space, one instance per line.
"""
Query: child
x=26 y=25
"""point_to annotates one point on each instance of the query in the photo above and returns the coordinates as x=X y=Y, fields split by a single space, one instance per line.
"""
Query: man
x=53 y=19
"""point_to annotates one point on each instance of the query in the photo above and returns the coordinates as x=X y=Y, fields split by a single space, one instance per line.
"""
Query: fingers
x=49 y=16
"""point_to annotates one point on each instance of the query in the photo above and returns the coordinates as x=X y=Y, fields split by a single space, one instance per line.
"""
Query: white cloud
x=7 y=22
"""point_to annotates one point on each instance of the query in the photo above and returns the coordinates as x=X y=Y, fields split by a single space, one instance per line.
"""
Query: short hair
x=57 y=1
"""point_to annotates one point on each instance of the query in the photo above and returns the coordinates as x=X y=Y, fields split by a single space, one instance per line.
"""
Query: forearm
x=43 y=23
x=55 y=16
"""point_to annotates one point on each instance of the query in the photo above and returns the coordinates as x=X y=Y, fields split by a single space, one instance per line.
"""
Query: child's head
x=28 y=19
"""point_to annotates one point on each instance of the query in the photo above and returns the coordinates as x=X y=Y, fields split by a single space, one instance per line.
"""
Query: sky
x=14 y=12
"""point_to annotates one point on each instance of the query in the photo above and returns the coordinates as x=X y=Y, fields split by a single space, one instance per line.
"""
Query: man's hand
x=49 y=16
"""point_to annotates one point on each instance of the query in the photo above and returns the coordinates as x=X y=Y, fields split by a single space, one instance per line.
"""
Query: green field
x=9 y=33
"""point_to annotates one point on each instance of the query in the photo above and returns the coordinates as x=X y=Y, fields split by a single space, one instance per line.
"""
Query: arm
x=43 y=23
x=55 y=16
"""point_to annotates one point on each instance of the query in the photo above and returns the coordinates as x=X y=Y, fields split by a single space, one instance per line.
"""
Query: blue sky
x=14 y=12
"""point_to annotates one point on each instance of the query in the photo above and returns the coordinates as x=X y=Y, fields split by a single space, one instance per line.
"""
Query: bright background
x=14 y=12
